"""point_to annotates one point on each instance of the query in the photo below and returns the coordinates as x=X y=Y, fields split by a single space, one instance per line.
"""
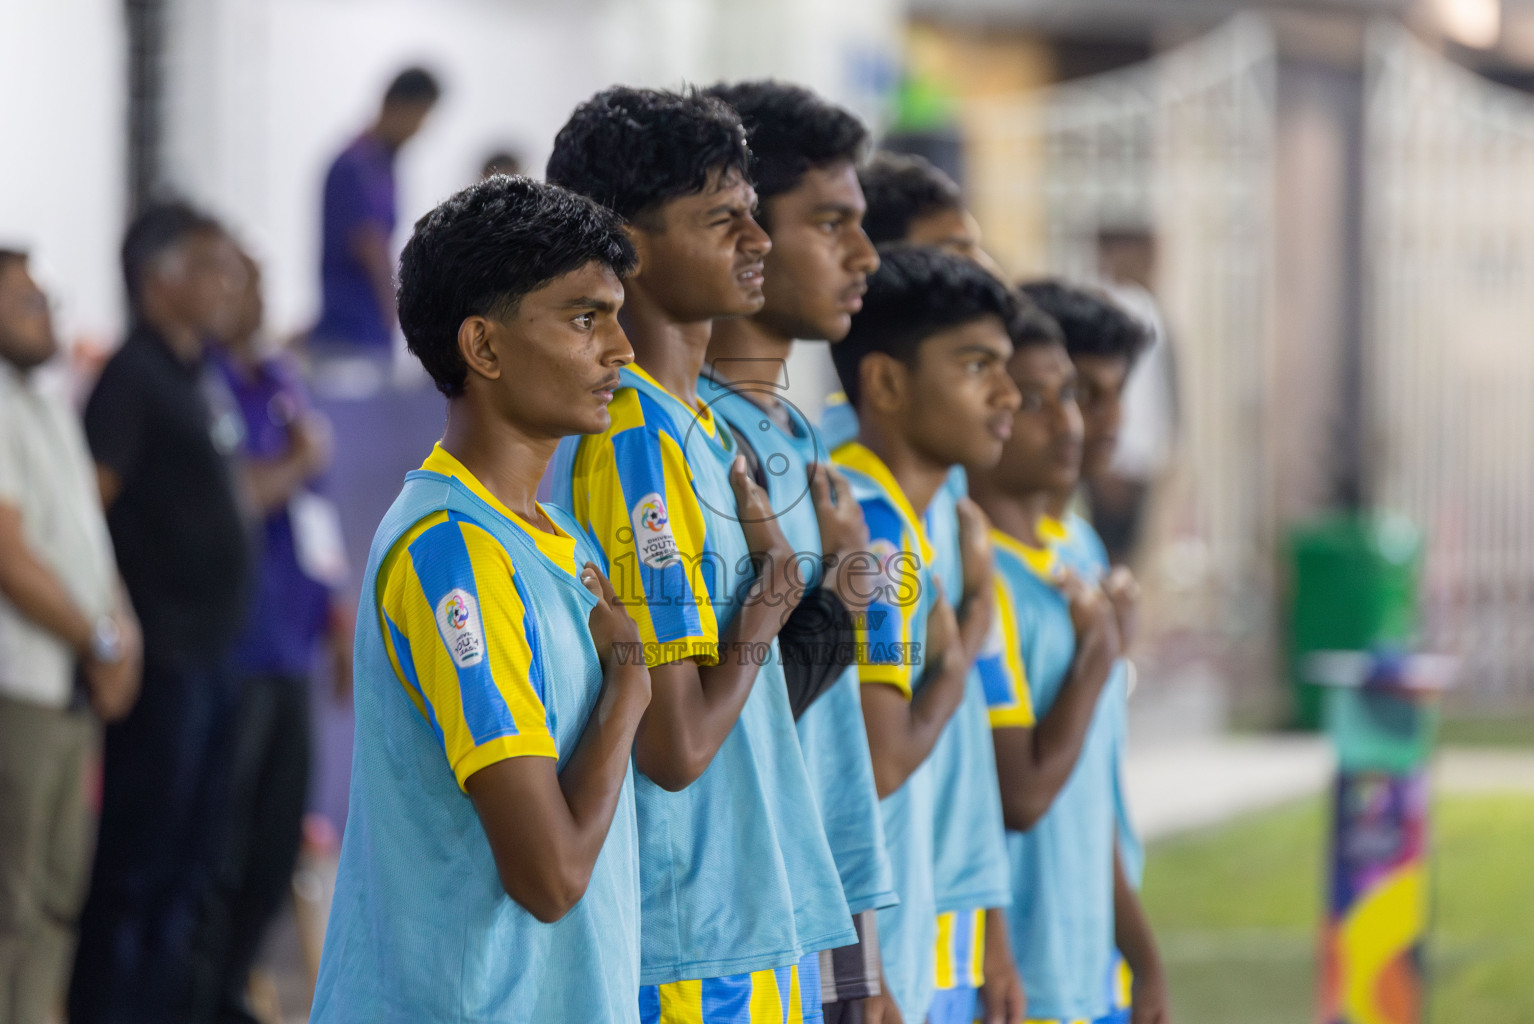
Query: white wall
x=62 y=170
x=265 y=92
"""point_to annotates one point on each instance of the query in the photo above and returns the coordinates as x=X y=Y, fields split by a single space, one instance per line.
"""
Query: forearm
x=899 y=743
x=1131 y=928
x=1034 y=765
x=593 y=777
x=694 y=706
x=998 y=941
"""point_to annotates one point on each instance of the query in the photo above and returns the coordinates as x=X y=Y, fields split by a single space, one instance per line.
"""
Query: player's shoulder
x=1085 y=538
x=447 y=543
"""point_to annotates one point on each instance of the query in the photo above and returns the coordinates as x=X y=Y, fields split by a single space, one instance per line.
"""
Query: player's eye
x=586 y=321
x=830 y=227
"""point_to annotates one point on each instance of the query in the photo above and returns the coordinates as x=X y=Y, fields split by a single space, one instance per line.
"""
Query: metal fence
x=1450 y=350
x=1181 y=147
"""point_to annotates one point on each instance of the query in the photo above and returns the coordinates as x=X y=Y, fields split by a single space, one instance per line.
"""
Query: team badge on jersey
x=652 y=532
x=458 y=621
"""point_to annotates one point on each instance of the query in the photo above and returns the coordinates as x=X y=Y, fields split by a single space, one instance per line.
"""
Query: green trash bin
x=1353 y=587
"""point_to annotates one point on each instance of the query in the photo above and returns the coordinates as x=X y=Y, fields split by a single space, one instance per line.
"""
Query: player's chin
x=983 y=452
x=594 y=422
x=748 y=299
x=833 y=328
x=1061 y=479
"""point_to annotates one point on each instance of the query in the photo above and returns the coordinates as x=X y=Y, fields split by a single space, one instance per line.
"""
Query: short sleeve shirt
x=46 y=475
x=359 y=193
x=653 y=492
x=290 y=609
x=888 y=635
x=643 y=509
x=459 y=635
x=178 y=525
x=891 y=647
x=448 y=681
x=1061 y=918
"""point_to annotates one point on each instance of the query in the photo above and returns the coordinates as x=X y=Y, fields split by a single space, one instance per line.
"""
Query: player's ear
x=637 y=240
x=475 y=345
x=883 y=379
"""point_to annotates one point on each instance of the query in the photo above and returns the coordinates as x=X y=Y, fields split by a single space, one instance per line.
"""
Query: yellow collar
x=1040 y=561
x=558 y=547
x=854 y=455
x=703 y=412
x=1054 y=531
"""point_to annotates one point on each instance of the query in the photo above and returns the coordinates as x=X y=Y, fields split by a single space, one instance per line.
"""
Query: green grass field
x=1237 y=911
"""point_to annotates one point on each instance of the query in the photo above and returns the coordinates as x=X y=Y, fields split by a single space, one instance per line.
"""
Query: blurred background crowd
x=1325 y=210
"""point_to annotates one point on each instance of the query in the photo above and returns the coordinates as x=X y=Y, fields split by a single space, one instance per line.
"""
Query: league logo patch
x=458 y=622
x=652 y=532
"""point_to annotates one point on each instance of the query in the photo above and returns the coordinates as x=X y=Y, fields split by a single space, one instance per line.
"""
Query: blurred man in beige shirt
x=63 y=615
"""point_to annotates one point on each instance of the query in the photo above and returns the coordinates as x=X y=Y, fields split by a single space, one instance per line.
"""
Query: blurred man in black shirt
x=162 y=435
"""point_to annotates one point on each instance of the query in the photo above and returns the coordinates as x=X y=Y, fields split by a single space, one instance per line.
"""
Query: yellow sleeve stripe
x=898 y=676
x=506 y=711
x=1014 y=707
x=501 y=749
x=623 y=467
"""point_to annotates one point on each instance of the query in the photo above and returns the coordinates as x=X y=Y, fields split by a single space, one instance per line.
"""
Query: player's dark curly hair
x=1093 y=324
x=901 y=188
x=917 y=292
x=633 y=149
x=483 y=249
x=791 y=130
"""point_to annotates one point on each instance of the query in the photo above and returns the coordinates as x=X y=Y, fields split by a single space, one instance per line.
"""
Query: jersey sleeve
x=462 y=643
x=1000 y=665
x=885 y=632
x=633 y=492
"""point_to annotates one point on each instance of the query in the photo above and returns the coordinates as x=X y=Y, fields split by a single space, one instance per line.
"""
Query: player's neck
x=1058 y=503
x=1015 y=515
x=503 y=457
x=669 y=350
x=918 y=475
x=744 y=349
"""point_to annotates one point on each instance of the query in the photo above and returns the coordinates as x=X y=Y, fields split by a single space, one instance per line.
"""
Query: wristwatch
x=106 y=641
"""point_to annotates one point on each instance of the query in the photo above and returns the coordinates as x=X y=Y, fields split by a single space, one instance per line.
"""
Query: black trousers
x=164 y=780
x=268 y=788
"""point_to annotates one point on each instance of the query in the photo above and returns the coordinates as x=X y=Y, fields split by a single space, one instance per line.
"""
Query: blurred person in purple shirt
x=300 y=571
x=356 y=263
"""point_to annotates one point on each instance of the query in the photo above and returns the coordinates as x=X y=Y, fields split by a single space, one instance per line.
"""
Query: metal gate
x=1180 y=146
x=1450 y=348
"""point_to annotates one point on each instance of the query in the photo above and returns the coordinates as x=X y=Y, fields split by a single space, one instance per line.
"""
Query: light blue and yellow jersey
x=831 y=730
x=472 y=647
x=459 y=634
x=782 y=995
x=1081 y=548
x=1061 y=918
x=970 y=839
x=653 y=492
x=633 y=488
x=891 y=645
x=838 y=421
